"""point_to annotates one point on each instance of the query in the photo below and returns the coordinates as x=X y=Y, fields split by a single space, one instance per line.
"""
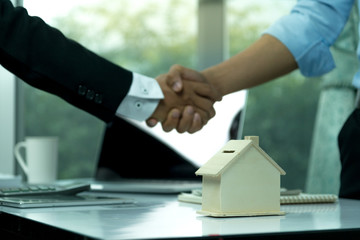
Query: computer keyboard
x=44 y=189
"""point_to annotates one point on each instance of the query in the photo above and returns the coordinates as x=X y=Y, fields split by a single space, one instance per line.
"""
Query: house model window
x=241 y=180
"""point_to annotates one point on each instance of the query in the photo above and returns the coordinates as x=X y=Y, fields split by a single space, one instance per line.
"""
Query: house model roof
x=231 y=152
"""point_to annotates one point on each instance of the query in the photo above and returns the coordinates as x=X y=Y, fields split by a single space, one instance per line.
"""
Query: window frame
x=10 y=126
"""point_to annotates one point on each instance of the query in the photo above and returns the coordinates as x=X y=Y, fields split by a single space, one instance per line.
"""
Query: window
x=148 y=36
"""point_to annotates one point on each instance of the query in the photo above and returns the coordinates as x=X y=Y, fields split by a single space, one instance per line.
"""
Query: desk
x=162 y=216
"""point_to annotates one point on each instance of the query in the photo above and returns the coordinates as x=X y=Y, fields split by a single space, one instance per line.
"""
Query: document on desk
x=286 y=197
x=42 y=201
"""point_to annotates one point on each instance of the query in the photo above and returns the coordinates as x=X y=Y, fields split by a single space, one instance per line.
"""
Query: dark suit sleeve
x=44 y=58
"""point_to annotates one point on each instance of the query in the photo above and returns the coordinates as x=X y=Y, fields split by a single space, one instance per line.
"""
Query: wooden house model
x=241 y=180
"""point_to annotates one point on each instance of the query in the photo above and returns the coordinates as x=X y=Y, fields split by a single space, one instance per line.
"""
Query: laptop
x=165 y=186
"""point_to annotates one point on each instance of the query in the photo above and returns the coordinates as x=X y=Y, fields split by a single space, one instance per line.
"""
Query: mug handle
x=19 y=158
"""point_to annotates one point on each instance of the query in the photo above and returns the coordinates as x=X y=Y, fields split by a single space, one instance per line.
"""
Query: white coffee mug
x=41 y=159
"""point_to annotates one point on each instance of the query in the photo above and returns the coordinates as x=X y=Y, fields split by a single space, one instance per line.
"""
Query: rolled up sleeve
x=309 y=31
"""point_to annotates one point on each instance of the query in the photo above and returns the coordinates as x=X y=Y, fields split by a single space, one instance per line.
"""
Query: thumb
x=174 y=79
x=176 y=75
x=151 y=122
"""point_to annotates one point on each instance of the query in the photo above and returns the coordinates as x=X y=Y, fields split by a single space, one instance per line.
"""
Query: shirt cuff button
x=138 y=105
x=145 y=91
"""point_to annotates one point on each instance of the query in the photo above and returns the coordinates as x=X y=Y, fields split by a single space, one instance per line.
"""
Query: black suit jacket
x=44 y=58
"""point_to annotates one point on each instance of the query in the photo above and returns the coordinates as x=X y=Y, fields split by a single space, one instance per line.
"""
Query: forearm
x=44 y=58
x=263 y=61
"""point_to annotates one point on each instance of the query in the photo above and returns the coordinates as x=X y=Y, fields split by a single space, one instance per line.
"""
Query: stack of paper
x=286 y=197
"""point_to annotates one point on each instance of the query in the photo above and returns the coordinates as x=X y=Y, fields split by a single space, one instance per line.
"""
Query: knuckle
x=175 y=68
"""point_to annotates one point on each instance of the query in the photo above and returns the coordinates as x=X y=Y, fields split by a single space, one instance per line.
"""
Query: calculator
x=44 y=189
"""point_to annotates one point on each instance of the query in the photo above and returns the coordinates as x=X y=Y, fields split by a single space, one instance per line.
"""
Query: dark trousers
x=349 y=146
x=128 y=152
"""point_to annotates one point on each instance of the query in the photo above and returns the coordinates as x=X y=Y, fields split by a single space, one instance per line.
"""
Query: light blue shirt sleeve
x=142 y=99
x=309 y=31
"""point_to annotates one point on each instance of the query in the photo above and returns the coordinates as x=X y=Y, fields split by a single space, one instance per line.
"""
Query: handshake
x=188 y=100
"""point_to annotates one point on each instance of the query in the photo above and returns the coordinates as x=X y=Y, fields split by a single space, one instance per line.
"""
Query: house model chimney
x=254 y=139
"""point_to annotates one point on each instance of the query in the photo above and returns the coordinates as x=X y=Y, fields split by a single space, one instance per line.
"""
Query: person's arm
x=142 y=99
x=263 y=61
x=190 y=119
x=44 y=58
x=301 y=40
x=192 y=93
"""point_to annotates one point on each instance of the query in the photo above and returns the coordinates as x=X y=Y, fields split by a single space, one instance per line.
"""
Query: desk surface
x=162 y=216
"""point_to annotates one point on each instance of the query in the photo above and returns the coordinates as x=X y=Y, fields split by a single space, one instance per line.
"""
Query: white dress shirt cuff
x=142 y=99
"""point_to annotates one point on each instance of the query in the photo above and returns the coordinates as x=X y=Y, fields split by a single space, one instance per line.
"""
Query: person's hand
x=177 y=74
x=174 y=103
x=188 y=119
